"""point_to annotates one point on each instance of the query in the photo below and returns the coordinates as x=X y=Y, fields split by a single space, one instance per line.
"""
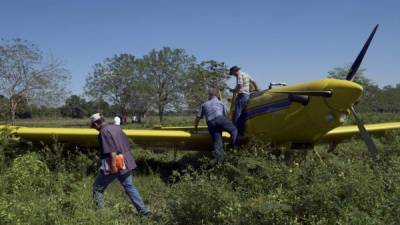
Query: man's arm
x=239 y=83
x=237 y=88
x=109 y=148
x=113 y=157
x=225 y=110
x=199 y=115
x=254 y=85
x=196 y=124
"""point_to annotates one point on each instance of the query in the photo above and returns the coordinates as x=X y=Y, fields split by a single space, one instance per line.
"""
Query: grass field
x=151 y=121
x=52 y=184
x=148 y=122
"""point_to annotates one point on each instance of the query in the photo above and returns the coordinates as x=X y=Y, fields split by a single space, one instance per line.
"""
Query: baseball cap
x=95 y=117
x=233 y=69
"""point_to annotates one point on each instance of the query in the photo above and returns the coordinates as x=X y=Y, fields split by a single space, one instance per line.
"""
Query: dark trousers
x=215 y=127
x=238 y=118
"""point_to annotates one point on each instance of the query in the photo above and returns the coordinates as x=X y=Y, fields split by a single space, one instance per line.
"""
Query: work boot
x=212 y=163
x=145 y=214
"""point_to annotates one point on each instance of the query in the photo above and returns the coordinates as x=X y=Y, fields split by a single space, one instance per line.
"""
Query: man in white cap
x=116 y=163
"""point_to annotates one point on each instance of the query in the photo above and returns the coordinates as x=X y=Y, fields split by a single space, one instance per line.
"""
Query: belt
x=214 y=118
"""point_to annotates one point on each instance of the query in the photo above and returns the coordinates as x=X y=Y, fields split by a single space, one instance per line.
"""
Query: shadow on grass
x=165 y=169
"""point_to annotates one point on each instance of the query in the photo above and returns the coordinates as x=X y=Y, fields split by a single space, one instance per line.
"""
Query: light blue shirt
x=212 y=109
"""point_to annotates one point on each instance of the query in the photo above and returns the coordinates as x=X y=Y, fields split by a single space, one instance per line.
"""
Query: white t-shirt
x=117 y=120
x=244 y=80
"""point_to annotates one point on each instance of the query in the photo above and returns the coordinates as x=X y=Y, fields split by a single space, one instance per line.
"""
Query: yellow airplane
x=300 y=115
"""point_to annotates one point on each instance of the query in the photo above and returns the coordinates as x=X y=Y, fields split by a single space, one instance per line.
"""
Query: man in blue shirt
x=215 y=114
x=113 y=143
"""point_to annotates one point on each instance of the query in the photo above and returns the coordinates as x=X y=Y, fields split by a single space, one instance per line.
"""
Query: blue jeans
x=238 y=118
x=215 y=127
x=125 y=178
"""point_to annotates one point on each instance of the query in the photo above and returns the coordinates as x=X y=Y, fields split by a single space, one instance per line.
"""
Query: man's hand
x=196 y=124
x=255 y=86
x=114 y=168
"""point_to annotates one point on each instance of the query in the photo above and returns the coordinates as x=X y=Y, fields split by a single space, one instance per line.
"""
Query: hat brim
x=233 y=70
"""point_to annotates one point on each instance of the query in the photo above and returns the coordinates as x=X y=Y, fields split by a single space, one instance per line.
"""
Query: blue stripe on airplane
x=267 y=108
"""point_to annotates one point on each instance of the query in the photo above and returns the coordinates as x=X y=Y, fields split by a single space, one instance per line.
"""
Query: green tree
x=26 y=77
x=202 y=76
x=100 y=106
x=368 y=101
x=3 y=107
x=389 y=99
x=141 y=99
x=165 y=70
x=116 y=80
x=43 y=111
x=74 y=107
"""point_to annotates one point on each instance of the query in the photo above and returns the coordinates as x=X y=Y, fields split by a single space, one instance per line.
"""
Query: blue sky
x=288 y=41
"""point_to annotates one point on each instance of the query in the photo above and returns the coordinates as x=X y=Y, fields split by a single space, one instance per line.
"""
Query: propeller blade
x=309 y=93
x=364 y=135
x=359 y=59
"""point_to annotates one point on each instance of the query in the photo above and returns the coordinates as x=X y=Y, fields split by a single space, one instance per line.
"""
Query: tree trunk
x=160 y=113
x=13 y=109
x=139 y=117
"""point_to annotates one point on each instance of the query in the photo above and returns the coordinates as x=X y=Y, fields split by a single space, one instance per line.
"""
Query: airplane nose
x=344 y=94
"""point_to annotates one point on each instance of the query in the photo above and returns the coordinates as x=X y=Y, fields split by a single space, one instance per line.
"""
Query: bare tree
x=25 y=76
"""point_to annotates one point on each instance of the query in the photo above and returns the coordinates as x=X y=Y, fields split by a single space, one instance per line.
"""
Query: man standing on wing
x=116 y=163
x=242 y=89
x=215 y=114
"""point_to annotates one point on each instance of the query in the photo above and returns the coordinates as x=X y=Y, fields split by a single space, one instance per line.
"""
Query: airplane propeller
x=350 y=76
x=356 y=64
x=364 y=135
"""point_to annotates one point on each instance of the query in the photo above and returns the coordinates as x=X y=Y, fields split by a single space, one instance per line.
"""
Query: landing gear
x=297 y=151
x=332 y=146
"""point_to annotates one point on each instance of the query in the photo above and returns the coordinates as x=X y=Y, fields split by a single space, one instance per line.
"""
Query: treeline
x=74 y=107
x=162 y=81
x=166 y=80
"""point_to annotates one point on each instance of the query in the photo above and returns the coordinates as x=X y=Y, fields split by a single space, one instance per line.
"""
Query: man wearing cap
x=215 y=114
x=116 y=163
x=242 y=89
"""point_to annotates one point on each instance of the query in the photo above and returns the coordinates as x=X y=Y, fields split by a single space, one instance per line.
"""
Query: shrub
x=273 y=208
x=52 y=186
x=199 y=199
x=28 y=172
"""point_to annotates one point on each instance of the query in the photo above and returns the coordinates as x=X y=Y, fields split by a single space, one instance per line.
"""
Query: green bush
x=272 y=208
x=53 y=185
x=28 y=172
x=11 y=147
x=199 y=199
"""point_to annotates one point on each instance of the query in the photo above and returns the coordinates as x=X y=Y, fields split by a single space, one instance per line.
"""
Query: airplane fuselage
x=281 y=117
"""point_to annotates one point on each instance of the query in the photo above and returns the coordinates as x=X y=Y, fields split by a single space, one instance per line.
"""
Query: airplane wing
x=347 y=132
x=176 y=139
x=183 y=128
